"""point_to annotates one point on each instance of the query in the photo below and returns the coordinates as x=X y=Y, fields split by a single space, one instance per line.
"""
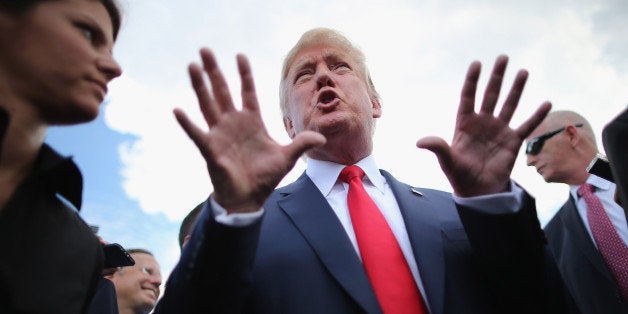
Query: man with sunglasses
x=561 y=148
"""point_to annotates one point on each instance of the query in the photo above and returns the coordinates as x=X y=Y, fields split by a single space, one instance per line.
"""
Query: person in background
x=187 y=225
x=105 y=300
x=588 y=235
x=55 y=64
x=137 y=286
x=347 y=237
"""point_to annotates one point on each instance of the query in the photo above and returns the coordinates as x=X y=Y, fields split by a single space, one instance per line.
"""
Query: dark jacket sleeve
x=511 y=251
x=615 y=139
x=105 y=300
x=214 y=272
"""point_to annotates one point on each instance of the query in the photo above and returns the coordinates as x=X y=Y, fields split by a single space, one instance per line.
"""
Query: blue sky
x=105 y=204
x=142 y=174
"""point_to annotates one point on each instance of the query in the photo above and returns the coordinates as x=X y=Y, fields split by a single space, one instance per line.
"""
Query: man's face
x=327 y=93
x=137 y=286
x=552 y=161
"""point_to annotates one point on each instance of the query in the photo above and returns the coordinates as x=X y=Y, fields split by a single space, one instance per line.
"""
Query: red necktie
x=611 y=247
x=383 y=260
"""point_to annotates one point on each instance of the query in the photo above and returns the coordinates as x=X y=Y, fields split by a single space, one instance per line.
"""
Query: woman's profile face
x=57 y=57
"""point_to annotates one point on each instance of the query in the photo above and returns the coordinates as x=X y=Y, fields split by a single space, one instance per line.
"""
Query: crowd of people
x=346 y=236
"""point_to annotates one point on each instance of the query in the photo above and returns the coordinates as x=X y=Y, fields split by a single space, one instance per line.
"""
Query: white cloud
x=418 y=54
x=163 y=170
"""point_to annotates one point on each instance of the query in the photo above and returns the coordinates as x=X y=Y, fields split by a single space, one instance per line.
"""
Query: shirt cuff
x=234 y=220
x=499 y=203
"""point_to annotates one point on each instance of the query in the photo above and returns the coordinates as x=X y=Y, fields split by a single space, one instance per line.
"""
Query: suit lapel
x=423 y=226
x=311 y=214
x=583 y=241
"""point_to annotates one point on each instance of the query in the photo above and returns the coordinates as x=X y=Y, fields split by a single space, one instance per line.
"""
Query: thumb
x=440 y=148
x=302 y=142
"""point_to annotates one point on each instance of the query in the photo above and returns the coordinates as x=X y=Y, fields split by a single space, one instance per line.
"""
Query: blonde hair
x=318 y=36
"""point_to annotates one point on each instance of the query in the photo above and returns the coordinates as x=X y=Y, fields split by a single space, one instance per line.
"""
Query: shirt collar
x=325 y=174
x=597 y=182
x=61 y=173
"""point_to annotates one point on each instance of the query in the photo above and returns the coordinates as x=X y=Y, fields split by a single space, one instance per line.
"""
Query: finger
x=512 y=101
x=205 y=102
x=249 y=96
x=491 y=94
x=220 y=88
x=194 y=132
x=302 y=142
x=539 y=115
x=441 y=149
x=467 y=96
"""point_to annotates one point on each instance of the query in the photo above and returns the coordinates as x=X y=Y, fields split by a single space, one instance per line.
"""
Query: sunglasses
x=536 y=144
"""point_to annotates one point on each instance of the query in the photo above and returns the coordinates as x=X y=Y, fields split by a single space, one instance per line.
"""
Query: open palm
x=244 y=163
x=484 y=148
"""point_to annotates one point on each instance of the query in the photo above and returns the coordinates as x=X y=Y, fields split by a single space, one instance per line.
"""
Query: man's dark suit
x=615 y=137
x=304 y=261
x=105 y=300
x=586 y=276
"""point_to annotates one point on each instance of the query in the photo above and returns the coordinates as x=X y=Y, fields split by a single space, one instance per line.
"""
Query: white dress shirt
x=325 y=174
x=605 y=191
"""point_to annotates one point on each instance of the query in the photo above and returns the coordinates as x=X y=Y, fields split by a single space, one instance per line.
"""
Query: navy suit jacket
x=299 y=259
x=105 y=300
x=586 y=276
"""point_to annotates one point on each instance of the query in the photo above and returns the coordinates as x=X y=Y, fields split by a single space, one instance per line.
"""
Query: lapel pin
x=415 y=191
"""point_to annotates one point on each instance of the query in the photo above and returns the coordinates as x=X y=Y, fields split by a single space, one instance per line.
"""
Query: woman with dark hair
x=55 y=63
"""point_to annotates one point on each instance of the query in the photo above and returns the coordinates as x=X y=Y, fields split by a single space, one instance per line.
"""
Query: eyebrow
x=308 y=62
x=100 y=29
x=302 y=63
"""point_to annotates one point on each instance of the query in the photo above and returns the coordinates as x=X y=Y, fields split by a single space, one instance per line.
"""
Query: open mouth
x=327 y=97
